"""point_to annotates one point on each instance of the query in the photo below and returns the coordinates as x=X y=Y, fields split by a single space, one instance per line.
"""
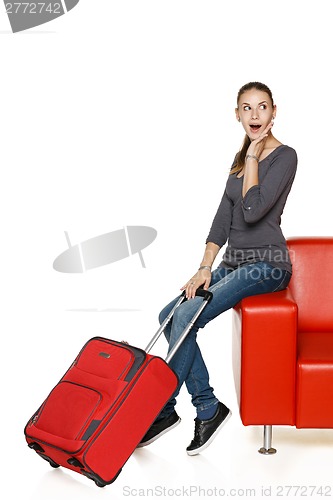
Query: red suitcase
x=96 y=415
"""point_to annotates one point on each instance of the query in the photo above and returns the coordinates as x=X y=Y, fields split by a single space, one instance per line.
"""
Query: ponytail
x=240 y=157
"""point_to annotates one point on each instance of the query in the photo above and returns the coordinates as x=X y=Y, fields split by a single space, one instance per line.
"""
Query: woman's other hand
x=257 y=145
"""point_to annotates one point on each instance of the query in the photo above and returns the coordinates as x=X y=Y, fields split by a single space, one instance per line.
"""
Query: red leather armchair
x=283 y=346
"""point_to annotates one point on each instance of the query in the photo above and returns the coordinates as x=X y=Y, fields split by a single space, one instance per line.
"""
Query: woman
x=255 y=261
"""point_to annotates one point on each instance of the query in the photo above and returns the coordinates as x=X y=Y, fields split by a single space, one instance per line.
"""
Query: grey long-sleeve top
x=251 y=225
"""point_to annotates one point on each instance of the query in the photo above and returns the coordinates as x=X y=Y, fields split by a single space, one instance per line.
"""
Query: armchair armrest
x=264 y=358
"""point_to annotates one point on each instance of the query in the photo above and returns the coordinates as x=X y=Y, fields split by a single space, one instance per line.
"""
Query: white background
x=122 y=113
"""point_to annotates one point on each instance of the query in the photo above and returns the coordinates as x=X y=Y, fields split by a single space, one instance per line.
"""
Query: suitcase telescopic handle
x=200 y=292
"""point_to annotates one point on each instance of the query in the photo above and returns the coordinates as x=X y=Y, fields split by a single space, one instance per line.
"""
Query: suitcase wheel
x=92 y=476
x=99 y=484
x=41 y=452
x=54 y=464
x=98 y=481
x=49 y=460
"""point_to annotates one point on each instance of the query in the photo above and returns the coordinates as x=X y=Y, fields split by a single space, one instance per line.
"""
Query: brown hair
x=240 y=157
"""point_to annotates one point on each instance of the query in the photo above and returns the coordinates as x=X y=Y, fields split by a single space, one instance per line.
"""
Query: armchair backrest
x=312 y=281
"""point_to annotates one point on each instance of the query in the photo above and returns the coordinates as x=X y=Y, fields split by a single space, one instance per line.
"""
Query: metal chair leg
x=267 y=448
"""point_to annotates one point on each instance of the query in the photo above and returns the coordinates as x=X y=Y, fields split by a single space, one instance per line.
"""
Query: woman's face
x=255 y=112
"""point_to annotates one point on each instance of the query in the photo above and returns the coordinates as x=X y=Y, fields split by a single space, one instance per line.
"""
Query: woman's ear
x=237 y=114
x=274 y=111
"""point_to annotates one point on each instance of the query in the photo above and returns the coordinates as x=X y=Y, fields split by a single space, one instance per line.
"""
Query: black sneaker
x=206 y=430
x=159 y=428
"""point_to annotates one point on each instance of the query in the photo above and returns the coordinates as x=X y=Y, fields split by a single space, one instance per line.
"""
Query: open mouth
x=255 y=128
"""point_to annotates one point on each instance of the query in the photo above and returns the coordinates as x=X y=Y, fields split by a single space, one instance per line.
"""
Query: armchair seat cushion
x=314 y=386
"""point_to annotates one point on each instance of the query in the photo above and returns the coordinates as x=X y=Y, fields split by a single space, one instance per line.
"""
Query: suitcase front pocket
x=67 y=410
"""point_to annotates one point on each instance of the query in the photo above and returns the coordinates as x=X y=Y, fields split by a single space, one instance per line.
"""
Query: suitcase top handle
x=200 y=292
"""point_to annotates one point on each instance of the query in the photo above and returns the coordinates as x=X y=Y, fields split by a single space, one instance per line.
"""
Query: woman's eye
x=247 y=108
x=263 y=106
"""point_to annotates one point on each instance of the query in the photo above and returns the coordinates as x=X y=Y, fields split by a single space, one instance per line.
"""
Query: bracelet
x=252 y=156
x=205 y=267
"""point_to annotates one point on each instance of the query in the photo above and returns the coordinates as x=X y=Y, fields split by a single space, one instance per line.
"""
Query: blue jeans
x=228 y=287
